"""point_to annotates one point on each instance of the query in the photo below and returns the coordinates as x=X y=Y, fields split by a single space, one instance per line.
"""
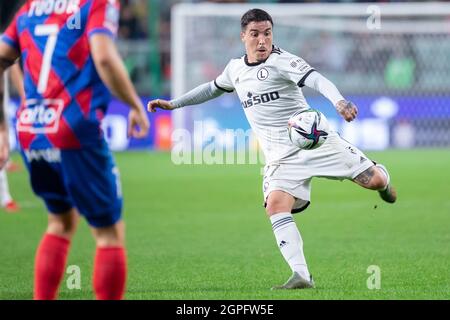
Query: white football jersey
x=270 y=92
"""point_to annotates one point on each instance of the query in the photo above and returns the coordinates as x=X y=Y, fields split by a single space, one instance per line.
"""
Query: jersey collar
x=252 y=64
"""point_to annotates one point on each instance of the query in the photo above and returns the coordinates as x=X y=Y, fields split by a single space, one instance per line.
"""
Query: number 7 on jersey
x=50 y=30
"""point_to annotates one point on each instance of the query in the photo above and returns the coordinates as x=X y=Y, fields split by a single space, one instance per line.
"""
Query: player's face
x=257 y=38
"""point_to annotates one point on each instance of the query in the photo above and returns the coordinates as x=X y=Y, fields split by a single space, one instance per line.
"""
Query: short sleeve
x=103 y=17
x=295 y=69
x=11 y=35
x=223 y=82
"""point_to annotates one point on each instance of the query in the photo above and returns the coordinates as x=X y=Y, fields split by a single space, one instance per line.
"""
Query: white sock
x=5 y=197
x=290 y=242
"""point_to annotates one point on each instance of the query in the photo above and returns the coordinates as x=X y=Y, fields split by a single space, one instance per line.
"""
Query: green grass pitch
x=200 y=232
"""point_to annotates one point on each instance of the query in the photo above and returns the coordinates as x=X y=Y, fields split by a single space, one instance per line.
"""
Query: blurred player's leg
x=51 y=255
x=12 y=166
x=110 y=267
x=93 y=181
x=287 y=235
x=5 y=197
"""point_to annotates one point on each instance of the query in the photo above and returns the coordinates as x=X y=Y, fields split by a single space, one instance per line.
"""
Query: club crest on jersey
x=40 y=116
x=262 y=74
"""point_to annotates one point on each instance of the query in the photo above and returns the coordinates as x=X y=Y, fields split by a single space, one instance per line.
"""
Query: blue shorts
x=86 y=179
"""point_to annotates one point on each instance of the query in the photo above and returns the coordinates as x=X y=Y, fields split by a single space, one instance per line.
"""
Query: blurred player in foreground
x=69 y=59
x=268 y=81
x=6 y=200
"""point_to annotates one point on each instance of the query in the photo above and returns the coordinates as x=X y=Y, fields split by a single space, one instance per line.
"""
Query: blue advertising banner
x=382 y=122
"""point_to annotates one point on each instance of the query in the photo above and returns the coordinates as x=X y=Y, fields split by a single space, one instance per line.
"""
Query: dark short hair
x=256 y=15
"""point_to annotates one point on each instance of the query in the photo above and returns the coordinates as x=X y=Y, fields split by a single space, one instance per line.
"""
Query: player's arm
x=200 y=94
x=8 y=55
x=112 y=71
x=17 y=79
x=319 y=83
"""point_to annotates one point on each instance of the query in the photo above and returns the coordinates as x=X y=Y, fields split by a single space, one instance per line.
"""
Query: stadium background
x=398 y=80
x=209 y=216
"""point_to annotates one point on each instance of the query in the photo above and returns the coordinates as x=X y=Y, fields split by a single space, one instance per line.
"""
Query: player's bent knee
x=274 y=209
x=279 y=201
x=110 y=236
x=378 y=181
x=63 y=224
x=373 y=178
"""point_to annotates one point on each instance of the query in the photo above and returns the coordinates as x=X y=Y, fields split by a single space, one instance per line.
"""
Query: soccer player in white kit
x=268 y=81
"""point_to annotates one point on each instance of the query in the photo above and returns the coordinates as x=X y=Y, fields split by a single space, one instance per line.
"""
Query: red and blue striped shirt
x=65 y=97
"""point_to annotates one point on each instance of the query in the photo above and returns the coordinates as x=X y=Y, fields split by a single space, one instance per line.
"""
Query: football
x=308 y=129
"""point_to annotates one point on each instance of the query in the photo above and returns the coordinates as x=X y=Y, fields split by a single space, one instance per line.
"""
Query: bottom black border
x=226 y=309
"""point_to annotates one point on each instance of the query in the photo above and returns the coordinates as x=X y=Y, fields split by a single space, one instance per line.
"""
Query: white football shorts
x=335 y=159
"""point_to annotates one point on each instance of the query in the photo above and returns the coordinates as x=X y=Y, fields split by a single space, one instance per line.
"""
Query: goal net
x=392 y=60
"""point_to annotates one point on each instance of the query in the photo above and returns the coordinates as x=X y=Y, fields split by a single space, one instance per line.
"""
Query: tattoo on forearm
x=365 y=177
x=349 y=106
x=345 y=106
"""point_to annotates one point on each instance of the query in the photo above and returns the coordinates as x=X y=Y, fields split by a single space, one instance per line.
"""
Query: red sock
x=110 y=272
x=49 y=266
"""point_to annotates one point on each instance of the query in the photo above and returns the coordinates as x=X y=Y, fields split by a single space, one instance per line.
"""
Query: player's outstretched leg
x=388 y=193
x=289 y=240
x=51 y=255
x=377 y=178
x=110 y=266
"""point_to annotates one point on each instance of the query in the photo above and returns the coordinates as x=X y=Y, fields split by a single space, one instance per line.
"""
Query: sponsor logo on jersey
x=40 y=116
x=254 y=100
x=299 y=64
x=47 y=7
x=48 y=155
x=262 y=74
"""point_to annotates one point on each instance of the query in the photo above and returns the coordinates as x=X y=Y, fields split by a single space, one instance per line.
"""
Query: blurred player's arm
x=17 y=79
x=319 y=83
x=8 y=56
x=200 y=94
x=112 y=71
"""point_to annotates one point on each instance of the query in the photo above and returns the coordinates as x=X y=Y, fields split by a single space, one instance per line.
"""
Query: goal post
x=392 y=59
